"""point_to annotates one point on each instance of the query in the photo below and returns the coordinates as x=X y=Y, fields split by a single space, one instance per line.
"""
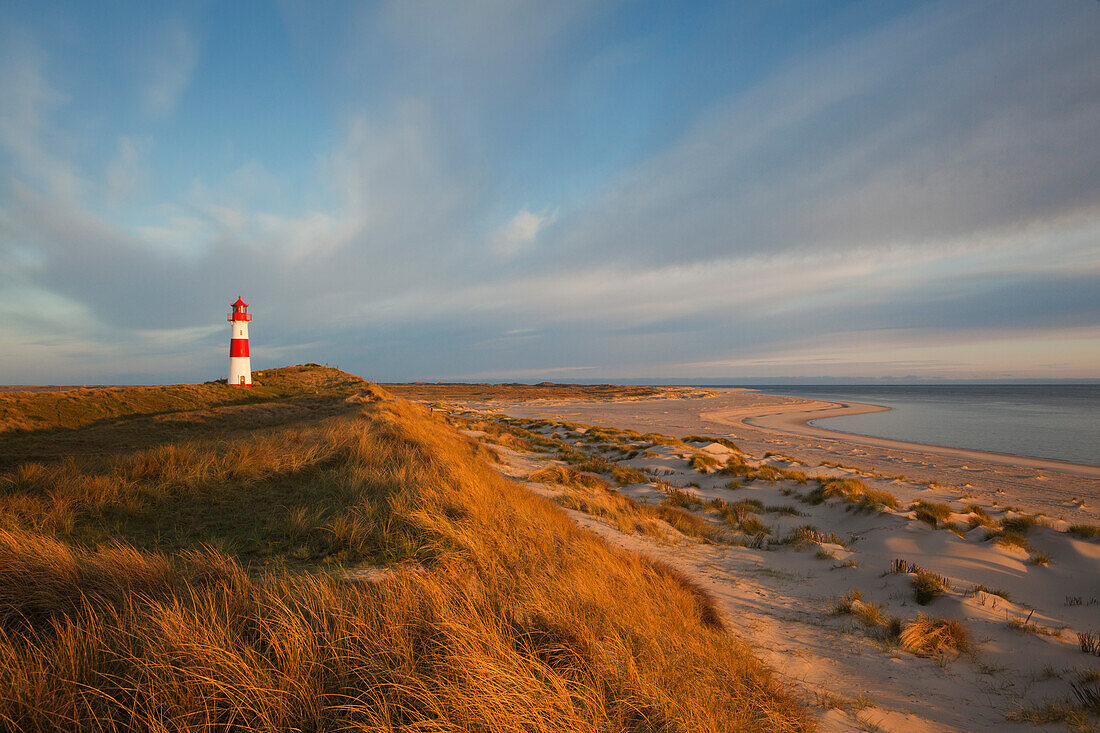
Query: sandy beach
x=815 y=611
x=760 y=423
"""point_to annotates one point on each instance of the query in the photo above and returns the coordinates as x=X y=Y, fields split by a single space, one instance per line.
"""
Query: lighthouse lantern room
x=240 y=366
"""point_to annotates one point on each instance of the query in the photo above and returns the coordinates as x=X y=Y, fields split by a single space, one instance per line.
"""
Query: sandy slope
x=782 y=599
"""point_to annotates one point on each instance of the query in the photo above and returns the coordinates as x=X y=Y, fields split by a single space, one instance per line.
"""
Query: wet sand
x=795 y=419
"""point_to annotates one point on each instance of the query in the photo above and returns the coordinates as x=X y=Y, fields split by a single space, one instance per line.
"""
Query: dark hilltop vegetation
x=316 y=554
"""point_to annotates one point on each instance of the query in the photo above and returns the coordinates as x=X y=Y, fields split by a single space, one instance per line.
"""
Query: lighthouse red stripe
x=238 y=347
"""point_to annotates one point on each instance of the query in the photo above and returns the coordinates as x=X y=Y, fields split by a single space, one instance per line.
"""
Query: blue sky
x=566 y=190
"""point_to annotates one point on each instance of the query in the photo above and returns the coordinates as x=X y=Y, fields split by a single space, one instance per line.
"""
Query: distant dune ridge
x=317 y=554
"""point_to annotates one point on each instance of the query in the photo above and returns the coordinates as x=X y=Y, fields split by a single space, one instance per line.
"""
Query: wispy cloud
x=521 y=231
x=36 y=149
x=126 y=172
x=171 y=56
x=904 y=198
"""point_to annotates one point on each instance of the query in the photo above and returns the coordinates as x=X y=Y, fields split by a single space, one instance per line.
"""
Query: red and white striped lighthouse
x=240 y=366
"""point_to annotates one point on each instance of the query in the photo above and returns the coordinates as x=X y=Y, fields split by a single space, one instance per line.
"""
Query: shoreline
x=796 y=419
x=761 y=423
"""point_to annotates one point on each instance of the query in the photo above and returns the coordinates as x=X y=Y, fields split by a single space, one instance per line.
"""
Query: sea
x=1058 y=421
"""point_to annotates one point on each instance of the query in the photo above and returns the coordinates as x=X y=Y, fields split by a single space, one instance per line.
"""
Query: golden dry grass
x=506 y=617
x=26 y=411
x=927 y=635
x=853 y=491
x=565 y=476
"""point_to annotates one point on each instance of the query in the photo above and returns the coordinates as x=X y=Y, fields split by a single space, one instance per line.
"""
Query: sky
x=568 y=190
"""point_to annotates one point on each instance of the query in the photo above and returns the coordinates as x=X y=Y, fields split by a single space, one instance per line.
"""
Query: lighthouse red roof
x=240 y=303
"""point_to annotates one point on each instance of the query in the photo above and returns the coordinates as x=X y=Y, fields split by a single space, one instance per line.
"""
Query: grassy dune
x=203 y=577
x=446 y=392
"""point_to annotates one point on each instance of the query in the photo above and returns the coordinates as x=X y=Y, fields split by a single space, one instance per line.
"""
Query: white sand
x=761 y=423
x=781 y=599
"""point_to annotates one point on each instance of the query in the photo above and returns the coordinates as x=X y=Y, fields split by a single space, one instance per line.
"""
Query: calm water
x=1045 y=421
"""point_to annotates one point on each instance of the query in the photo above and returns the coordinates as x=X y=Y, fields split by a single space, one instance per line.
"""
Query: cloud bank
x=913 y=195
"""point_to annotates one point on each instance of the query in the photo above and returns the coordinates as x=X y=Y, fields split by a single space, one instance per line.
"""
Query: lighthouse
x=240 y=366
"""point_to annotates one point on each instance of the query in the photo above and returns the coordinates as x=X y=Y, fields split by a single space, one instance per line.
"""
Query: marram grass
x=501 y=615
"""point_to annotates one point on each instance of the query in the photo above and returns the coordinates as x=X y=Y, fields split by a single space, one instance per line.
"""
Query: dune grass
x=1084 y=531
x=809 y=534
x=136 y=591
x=703 y=462
x=707 y=439
x=1007 y=538
x=566 y=476
x=632 y=517
x=30 y=411
x=929 y=636
x=872 y=616
x=928 y=586
x=853 y=491
x=737 y=466
x=459 y=392
x=931 y=513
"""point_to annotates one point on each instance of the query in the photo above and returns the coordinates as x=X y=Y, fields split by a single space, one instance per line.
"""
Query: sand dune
x=1022 y=606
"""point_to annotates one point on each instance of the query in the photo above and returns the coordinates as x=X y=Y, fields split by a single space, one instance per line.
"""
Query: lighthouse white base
x=240 y=371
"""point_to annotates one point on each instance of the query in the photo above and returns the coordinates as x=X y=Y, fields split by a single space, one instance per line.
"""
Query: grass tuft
x=565 y=476
x=1021 y=524
x=931 y=513
x=929 y=586
x=809 y=534
x=704 y=462
x=853 y=491
x=1084 y=531
x=928 y=636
